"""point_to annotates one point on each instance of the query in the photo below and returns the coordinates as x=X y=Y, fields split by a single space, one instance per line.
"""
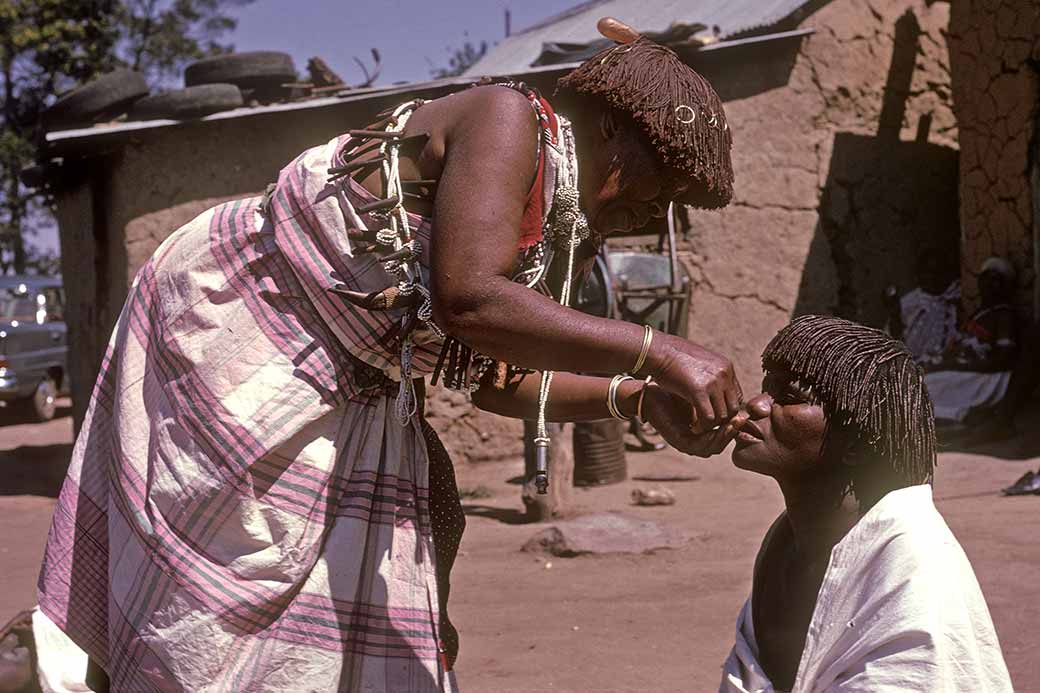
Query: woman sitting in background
x=859 y=584
x=974 y=374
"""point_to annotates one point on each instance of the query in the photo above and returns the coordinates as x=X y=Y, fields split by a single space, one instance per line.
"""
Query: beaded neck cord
x=400 y=251
x=565 y=211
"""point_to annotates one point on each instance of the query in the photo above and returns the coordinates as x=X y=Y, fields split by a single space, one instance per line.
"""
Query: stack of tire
x=212 y=85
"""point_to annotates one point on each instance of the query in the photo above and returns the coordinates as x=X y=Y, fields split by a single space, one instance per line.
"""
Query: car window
x=17 y=304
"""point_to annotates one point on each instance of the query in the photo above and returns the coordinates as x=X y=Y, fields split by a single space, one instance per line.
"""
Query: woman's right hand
x=703 y=378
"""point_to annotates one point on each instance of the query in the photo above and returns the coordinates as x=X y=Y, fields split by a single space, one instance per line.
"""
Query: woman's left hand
x=671 y=416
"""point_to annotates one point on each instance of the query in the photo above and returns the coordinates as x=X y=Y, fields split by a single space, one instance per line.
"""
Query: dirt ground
x=659 y=622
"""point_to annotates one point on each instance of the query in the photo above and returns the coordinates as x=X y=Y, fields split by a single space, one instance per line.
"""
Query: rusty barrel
x=599 y=453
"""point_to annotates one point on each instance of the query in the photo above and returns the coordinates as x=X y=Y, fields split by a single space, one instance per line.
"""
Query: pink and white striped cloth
x=243 y=511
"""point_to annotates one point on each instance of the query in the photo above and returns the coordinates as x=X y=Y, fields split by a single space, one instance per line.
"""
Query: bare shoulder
x=495 y=110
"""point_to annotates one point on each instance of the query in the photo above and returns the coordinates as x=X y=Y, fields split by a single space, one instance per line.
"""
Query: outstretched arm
x=584 y=398
x=489 y=165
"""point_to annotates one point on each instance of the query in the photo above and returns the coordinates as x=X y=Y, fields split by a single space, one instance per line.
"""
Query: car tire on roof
x=105 y=98
x=250 y=70
x=185 y=104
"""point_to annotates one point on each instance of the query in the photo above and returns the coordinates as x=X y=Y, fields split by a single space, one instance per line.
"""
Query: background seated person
x=974 y=374
x=925 y=318
x=859 y=584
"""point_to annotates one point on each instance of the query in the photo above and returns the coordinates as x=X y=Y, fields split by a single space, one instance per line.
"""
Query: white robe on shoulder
x=899 y=610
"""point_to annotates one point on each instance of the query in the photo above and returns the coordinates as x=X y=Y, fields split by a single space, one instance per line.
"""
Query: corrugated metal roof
x=578 y=25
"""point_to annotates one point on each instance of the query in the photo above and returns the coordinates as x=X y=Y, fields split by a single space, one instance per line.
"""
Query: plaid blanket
x=243 y=510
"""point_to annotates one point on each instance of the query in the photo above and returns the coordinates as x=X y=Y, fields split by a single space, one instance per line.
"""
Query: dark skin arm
x=477 y=213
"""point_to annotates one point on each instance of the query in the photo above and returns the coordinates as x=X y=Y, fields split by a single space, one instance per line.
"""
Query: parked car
x=33 y=344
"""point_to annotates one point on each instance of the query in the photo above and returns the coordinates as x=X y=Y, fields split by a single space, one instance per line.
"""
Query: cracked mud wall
x=994 y=54
x=776 y=251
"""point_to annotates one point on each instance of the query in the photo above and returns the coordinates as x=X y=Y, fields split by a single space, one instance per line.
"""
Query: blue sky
x=410 y=34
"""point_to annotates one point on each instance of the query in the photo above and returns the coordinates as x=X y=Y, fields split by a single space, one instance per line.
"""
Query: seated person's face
x=785 y=432
x=993 y=289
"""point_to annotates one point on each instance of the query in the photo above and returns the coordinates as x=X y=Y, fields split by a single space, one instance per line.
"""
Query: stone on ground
x=603 y=533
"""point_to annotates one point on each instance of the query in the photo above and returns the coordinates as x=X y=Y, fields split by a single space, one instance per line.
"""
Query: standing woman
x=255 y=501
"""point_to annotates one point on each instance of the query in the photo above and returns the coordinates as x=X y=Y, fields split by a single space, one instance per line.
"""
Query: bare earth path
x=661 y=622
x=664 y=622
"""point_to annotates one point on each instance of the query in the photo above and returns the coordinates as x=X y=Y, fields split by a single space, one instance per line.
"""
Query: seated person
x=925 y=318
x=859 y=584
x=974 y=374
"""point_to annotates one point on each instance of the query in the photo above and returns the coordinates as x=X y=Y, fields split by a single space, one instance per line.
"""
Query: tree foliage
x=461 y=59
x=158 y=37
x=50 y=46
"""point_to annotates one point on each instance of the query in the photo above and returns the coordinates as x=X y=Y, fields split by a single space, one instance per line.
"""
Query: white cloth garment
x=61 y=666
x=929 y=321
x=899 y=611
x=955 y=393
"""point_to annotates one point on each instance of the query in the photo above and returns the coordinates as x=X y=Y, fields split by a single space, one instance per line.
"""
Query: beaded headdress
x=675 y=107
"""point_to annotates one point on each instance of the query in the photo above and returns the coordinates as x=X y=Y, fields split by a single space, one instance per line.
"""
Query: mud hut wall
x=793 y=239
x=994 y=54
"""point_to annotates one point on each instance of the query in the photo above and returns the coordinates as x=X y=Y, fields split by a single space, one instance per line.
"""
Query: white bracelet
x=612 y=406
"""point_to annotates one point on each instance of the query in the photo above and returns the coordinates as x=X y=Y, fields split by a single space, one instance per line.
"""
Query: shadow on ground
x=1023 y=445
x=509 y=516
x=35 y=470
x=15 y=417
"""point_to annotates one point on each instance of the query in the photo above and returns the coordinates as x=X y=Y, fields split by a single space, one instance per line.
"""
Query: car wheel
x=43 y=402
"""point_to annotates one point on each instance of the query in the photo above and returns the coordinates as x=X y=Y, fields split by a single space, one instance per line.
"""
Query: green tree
x=50 y=46
x=157 y=37
x=45 y=46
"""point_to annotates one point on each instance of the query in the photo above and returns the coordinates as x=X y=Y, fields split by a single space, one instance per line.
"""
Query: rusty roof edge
x=764 y=38
x=111 y=134
x=109 y=131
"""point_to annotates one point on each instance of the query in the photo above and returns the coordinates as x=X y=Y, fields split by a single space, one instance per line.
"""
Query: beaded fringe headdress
x=675 y=106
x=869 y=387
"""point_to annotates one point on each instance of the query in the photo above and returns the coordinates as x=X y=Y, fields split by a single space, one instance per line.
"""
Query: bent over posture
x=859 y=584
x=255 y=501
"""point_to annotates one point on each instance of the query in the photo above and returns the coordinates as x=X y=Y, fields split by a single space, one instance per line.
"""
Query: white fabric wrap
x=899 y=610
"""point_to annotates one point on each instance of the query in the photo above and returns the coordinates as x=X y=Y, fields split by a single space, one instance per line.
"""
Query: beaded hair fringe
x=677 y=108
x=869 y=386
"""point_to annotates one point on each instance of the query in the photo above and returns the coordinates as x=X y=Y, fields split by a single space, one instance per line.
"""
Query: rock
x=653 y=496
x=603 y=533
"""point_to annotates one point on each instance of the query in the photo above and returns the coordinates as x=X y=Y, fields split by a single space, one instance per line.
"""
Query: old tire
x=185 y=104
x=106 y=97
x=251 y=70
x=42 y=405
